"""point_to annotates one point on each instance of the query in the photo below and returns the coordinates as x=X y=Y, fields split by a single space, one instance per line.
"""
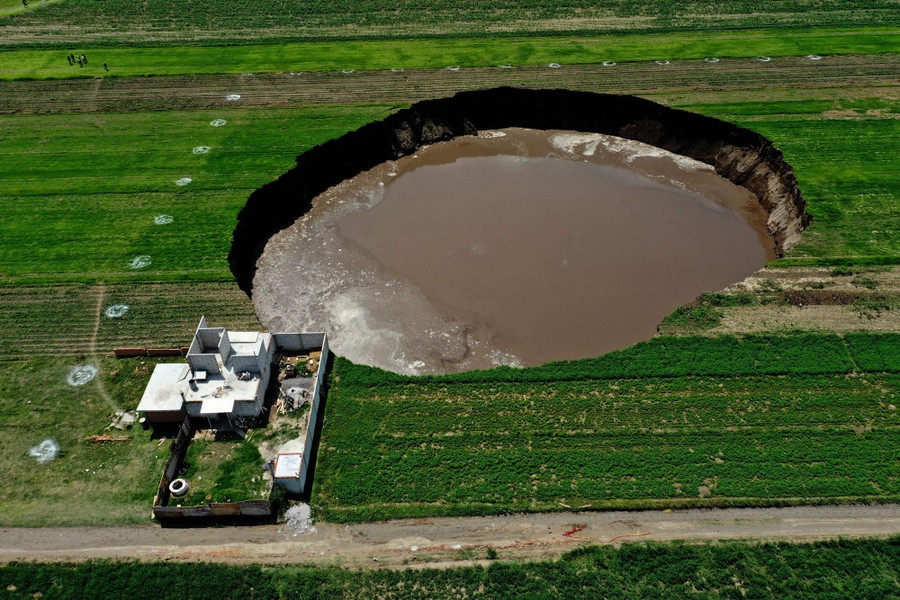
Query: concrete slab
x=164 y=391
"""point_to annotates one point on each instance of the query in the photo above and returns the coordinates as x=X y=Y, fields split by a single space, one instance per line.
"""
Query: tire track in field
x=369 y=87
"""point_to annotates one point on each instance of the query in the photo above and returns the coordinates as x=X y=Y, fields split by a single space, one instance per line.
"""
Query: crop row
x=436 y=448
x=75 y=217
x=863 y=568
x=659 y=357
x=808 y=463
x=157 y=315
x=430 y=413
x=120 y=20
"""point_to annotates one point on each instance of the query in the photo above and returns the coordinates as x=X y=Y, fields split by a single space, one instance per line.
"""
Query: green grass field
x=88 y=483
x=89 y=159
x=429 y=54
x=83 y=211
x=651 y=433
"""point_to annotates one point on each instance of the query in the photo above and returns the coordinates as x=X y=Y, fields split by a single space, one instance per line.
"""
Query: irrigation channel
x=512 y=247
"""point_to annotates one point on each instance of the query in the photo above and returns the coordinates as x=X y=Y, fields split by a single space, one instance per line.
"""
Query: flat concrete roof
x=163 y=392
x=288 y=465
x=227 y=385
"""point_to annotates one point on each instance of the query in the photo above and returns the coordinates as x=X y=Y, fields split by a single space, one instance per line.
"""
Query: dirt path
x=443 y=541
x=101 y=296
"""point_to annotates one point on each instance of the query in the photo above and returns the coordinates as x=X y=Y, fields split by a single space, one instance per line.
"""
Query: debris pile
x=298 y=518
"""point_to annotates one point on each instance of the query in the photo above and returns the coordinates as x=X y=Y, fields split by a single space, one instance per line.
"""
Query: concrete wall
x=291 y=484
x=248 y=408
x=311 y=439
x=249 y=510
x=225 y=346
x=161 y=416
x=302 y=343
x=204 y=362
x=245 y=362
x=209 y=338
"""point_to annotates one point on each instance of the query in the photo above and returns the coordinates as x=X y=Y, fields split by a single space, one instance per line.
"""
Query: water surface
x=516 y=247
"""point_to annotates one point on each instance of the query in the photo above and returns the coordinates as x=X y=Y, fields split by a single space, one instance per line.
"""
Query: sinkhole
x=512 y=227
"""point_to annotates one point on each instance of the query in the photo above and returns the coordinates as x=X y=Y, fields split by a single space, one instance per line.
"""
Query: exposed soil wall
x=740 y=155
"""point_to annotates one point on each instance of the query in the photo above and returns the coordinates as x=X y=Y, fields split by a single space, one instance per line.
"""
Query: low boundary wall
x=312 y=429
x=247 y=511
x=141 y=352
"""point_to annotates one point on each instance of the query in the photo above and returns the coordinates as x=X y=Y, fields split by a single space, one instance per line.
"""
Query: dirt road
x=443 y=541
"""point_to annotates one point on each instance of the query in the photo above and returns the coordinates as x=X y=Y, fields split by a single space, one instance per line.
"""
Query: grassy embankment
x=847 y=569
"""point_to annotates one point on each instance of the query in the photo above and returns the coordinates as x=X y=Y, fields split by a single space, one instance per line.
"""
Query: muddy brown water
x=515 y=247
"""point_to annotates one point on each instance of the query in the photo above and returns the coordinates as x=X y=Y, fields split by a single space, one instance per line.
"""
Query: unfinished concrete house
x=223 y=385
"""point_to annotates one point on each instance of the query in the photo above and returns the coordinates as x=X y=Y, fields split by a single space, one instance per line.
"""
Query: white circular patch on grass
x=711 y=59
x=609 y=63
x=554 y=65
x=163 y=219
x=348 y=71
x=813 y=57
x=45 y=451
x=662 y=63
x=115 y=311
x=183 y=181
x=453 y=68
x=233 y=97
x=140 y=262
x=81 y=374
x=201 y=149
x=764 y=59
x=217 y=122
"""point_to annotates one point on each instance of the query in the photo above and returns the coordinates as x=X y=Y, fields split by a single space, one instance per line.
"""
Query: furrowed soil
x=120 y=22
x=159 y=315
x=801 y=299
